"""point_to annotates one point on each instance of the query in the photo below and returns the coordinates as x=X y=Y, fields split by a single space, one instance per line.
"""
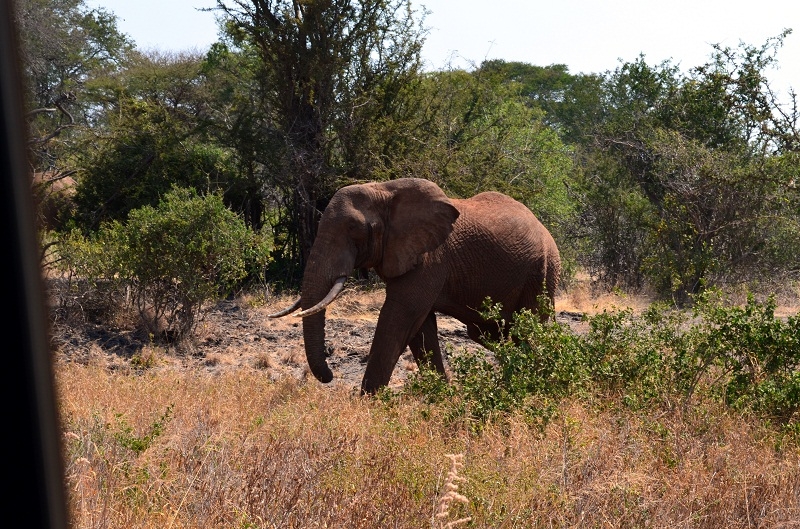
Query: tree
x=150 y=133
x=683 y=181
x=240 y=119
x=63 y=45
x=477 y=133
x=543 y=87
x=333 y=73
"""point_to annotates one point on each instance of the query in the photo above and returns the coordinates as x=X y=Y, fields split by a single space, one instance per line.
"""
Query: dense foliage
x=336 y=82
x=689 y=179
x=648 y=176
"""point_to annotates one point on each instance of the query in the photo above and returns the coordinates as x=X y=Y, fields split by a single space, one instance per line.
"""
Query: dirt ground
x=238 y=334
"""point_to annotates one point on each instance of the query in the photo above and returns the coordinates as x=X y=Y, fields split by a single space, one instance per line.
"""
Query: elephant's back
x=501 y=216
x=501 y=248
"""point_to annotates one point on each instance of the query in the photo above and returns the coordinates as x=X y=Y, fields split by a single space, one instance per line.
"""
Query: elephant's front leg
x=398 y=321
x=425 y=345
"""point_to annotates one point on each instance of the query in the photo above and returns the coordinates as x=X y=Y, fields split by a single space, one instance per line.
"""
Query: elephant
x=435 y=255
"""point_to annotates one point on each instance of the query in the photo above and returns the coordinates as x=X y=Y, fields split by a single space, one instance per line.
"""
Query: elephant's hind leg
x=425 y=345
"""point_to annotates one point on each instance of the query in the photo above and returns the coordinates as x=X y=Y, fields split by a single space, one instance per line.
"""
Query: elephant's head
x=387 y=226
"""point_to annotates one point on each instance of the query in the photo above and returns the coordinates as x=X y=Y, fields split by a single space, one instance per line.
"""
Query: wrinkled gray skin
x=435 y=254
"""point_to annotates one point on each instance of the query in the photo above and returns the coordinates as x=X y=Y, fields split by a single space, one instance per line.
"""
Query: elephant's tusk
x=336 y=289
x=287 y=310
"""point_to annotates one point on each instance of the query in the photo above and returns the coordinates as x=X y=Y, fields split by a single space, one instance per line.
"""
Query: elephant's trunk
x=330 y=262
x=313 y=315
x=314 y=338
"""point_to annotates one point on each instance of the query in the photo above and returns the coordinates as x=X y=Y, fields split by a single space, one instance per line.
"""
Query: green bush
x=630 y=356
x=742 y=356
x=173 y=258
x=148 y=149
x=530 y=369
x=137 y=444
x=754 y=355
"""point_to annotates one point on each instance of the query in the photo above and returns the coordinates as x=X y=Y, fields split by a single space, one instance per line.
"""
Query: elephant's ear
x=421 y=218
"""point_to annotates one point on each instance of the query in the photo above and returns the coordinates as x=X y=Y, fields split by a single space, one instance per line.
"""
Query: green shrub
x=755 y=355
x=126 y=437
x=742 y=356
x=173 y=258
x=630 y=356
x=530 y=369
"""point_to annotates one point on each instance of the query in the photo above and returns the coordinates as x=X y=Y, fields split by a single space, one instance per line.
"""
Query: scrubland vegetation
x=182 y=448
x=654 y=417
x=168 y=182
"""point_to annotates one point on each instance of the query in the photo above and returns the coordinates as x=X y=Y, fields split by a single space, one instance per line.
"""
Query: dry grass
x=239 y=450
x=152 y=442
x=451 y=494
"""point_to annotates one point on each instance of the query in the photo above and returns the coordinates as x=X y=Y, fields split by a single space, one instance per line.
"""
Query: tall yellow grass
x=240 y=451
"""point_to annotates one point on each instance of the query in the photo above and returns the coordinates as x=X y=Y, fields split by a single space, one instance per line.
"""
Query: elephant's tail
x=552 y=276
